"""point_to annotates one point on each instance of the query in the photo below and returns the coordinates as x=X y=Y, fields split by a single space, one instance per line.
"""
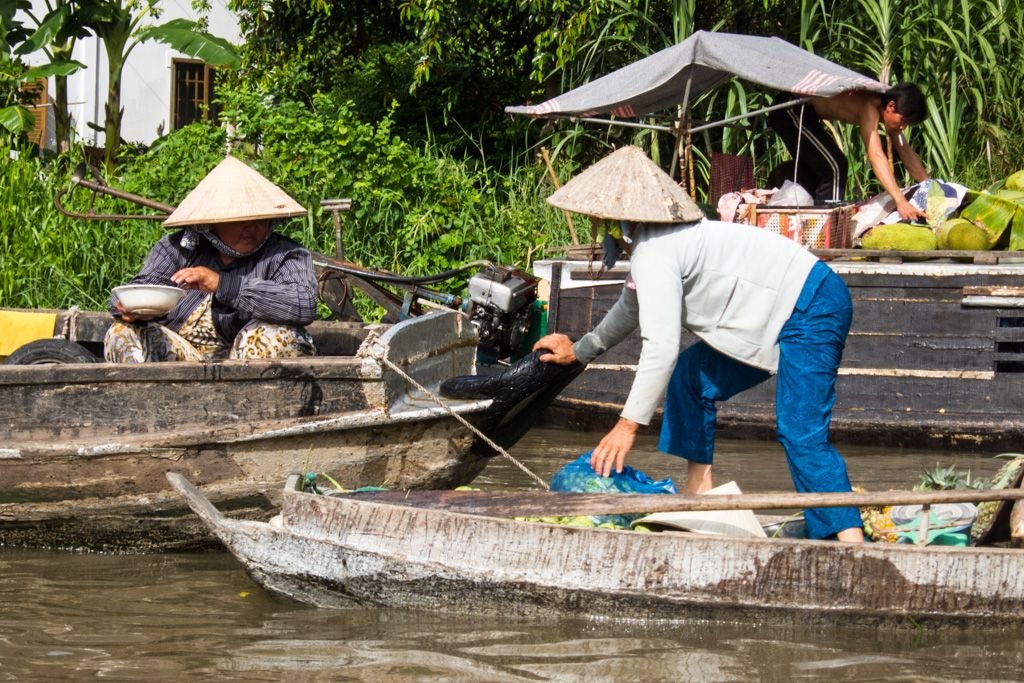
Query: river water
x=71 y=616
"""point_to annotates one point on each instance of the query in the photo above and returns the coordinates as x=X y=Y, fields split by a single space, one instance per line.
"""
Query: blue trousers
x=810 y=348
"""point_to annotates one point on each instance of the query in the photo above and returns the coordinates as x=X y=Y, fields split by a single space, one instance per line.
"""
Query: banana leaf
x=185 y=36
x=16 y=118
x=998 y=209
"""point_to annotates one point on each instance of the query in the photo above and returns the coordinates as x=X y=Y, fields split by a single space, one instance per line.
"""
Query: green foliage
x=174 y=164
x=188 y=38
x=999 y=209
x=50 y=260
x=53 y=261
x=416 y=209
x=294 y=47
x=398 y=106
x=948 y=479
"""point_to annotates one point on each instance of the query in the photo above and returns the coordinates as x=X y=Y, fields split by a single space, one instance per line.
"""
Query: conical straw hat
x=233 y=192
x=627 y=185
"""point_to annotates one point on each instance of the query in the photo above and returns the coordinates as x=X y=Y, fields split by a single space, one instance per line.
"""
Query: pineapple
x=948 y=478
x=878 y=524
x=1005 y=477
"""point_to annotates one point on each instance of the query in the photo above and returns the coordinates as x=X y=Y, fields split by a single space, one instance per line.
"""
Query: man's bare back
x=864 y=109
x=853 y=107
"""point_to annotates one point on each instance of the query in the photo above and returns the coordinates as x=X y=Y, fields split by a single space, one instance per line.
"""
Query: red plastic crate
x=813 y=228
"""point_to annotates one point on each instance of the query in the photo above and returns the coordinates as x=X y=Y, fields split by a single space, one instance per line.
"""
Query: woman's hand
x=612 y=450
x=128 y=316
x=198 y=277
x=559 y=347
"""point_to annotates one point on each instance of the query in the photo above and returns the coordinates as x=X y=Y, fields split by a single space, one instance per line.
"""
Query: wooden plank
x=318 y=367
x=597 y=274
x=1009 y=334
x=993 y=290
x=984 y=257
x=82 y=410
x=905 y=351
x=993 y=302
x=520 y=503
x=555 y=300
x=919 y=318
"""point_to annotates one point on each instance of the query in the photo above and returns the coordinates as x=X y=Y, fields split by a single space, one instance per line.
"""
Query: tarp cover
x=658 y=82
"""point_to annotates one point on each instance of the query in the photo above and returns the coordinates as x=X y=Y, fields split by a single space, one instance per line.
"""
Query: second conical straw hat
x=627 y=185
x=233 y=191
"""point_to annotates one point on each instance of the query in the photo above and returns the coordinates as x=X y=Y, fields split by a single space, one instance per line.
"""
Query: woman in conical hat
x=760 y=305
x=249 y=292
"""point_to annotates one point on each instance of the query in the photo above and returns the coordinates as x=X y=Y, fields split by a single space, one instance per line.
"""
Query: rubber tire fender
x=50 y=352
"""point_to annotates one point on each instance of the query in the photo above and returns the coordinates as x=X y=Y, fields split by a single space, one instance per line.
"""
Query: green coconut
x=899 y=237
x=958 y=233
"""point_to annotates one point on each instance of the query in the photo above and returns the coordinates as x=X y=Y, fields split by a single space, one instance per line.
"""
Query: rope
x=380 y=352
x=70 y=329
x=799 y=138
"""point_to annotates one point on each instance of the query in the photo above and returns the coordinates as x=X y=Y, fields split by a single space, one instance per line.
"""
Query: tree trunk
x=61 y=116
x=112 y=124
x=115 y=40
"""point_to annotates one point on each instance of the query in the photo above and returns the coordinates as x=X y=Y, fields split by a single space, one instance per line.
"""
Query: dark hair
x=909 y=101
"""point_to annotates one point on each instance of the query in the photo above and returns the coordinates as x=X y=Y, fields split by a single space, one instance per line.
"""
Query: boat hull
x=333 y=552
x=84 y=447
x=934 y=358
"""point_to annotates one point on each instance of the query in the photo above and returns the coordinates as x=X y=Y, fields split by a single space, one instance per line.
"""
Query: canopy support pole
x=799 y=139
x=684 y=110
x=695 y=129
x=625 y=124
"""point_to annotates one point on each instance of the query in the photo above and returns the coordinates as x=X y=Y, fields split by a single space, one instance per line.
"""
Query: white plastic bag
x=791 y=194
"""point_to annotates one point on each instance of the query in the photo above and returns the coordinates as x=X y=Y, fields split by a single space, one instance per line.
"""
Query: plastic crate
x=825 y=228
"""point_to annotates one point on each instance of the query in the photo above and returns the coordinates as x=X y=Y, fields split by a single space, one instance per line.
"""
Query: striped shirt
x=275 y=285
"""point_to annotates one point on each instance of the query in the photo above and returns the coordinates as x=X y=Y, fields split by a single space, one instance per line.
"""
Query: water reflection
x=755 y=465
x=66 y=616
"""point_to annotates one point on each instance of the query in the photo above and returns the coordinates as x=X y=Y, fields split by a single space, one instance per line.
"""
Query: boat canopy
x=703 y=61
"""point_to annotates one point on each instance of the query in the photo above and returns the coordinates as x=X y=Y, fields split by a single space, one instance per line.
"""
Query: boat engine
x=500 y=306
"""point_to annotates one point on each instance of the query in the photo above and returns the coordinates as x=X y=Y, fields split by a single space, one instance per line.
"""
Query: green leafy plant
x=948 y=478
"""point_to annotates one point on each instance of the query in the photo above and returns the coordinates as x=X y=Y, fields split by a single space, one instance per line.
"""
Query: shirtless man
x=823 y=167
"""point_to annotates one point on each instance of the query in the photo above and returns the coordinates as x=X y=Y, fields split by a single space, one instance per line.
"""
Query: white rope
x=380 y=352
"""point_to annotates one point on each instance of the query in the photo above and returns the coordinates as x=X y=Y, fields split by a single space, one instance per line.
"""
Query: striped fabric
x=275 y=285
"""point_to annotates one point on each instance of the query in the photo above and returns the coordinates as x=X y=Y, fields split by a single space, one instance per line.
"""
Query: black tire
x=50 y=352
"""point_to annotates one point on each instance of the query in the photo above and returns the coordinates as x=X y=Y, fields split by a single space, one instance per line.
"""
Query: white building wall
x=145 y=80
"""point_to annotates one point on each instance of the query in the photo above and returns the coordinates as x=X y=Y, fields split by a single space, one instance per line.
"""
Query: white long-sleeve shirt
x=732 y=285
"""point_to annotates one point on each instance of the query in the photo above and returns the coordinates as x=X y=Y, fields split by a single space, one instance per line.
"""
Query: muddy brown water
x=71 y=617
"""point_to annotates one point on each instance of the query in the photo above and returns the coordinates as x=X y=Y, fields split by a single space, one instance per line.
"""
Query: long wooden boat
x=84 y=446
x=397 y=551
x=935 y=357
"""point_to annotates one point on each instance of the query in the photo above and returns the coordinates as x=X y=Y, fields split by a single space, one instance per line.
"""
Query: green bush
x=416 y=210
x=48 y=260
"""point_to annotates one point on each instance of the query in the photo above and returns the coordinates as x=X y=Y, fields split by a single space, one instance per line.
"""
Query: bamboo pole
x=554 y=181
x=524 y=503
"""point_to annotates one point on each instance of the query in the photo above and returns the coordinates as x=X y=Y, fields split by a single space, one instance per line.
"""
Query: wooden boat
x=460 y=551
x=937 y=349
x=935 y=356
x=84 y=446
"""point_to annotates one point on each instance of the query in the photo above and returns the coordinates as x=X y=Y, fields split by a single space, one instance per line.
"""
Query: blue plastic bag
x=579 y=476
